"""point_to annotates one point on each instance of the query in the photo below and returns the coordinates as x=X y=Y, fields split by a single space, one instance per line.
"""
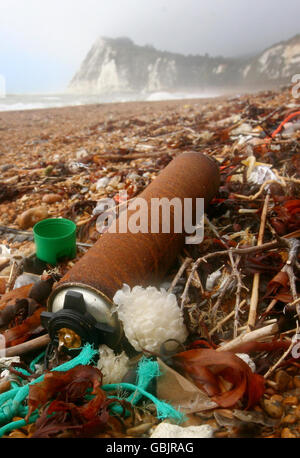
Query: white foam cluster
x=149 y=317
x=112 y=366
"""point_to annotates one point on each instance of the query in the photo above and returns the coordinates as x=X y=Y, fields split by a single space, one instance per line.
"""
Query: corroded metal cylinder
x=139 y=258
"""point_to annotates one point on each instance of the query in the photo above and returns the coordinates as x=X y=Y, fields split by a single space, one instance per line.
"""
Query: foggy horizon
x=44 y=43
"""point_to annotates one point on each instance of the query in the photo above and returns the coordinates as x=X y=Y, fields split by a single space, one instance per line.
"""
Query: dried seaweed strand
x=241 y=251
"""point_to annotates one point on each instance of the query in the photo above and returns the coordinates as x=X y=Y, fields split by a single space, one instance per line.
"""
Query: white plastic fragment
x=5 y=374
x=4 y=255
x=4 y=251
x=150 y=317
x=26 y=279
x=169 y=431
x=242 y=129
x=258 y=172
x=291 y=127
x=112 y=366
x=262 y=173
x=245 y=357
x=5 y=363
x=212 y=279
x=82 y=153
x=102 y=183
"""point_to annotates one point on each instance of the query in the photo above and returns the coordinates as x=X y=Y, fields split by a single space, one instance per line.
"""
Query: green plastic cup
x=55 y=238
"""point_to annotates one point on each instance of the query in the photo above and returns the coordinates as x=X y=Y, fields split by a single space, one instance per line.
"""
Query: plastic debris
x=169 y=431
x=149 y=317
x=102 y=183
x=258 y=172
x=26 y=279
x=247 y=360
x=113 y=367
x=82 y=168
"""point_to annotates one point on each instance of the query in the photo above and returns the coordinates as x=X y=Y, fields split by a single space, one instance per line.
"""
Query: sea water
x=18 y=102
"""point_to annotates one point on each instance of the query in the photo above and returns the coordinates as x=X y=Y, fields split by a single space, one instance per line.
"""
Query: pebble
x=273 y=408
x=102 y=183
x=32 y=216
x=81 y=154
x=297 y=412
x=297 y=381
x=6 y=167
x=277 y=397
x=282 y=380
x=291 y=401
x=17 y=435
x=286 y=433
x=52 y=198
x=289 y=419
x=2 y=285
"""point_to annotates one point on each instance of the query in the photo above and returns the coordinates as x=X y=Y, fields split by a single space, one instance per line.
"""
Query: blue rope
x=164 y=410
x=18 y=424
x=147 y=370
x=11 y=401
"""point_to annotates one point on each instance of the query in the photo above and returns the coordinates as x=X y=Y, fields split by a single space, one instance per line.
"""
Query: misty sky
x=42 y=42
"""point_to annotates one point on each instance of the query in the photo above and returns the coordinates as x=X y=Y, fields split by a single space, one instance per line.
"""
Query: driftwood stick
x=266 y=331
x=256 y=278
x=182 y=268
x=224 y=320
x=26 y=347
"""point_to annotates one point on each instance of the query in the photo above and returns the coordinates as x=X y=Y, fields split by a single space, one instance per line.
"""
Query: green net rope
x=11 y=402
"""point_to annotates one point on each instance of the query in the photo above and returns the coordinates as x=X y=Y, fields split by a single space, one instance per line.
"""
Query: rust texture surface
x=144 y=258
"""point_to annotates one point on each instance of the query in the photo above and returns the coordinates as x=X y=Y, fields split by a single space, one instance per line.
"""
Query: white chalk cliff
x=119 y=66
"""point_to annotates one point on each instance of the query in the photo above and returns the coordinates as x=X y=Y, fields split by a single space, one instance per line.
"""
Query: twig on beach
x=256 y=278
x=229 y=283
x=266 y=331
x=261 y=190
x=15 y=271
x=279 y=361
x=240 y=251
x=239 y=287
x=224 y=320
x=294 y=246
x=179 y=274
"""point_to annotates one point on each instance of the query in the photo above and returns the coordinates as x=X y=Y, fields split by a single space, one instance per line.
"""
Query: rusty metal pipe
x=140 y=258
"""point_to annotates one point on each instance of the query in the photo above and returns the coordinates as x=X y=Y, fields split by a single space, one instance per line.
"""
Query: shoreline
x=66 y=150
x=131 y=104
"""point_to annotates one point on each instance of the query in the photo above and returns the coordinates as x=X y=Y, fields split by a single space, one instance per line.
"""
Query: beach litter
x=219 y=354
